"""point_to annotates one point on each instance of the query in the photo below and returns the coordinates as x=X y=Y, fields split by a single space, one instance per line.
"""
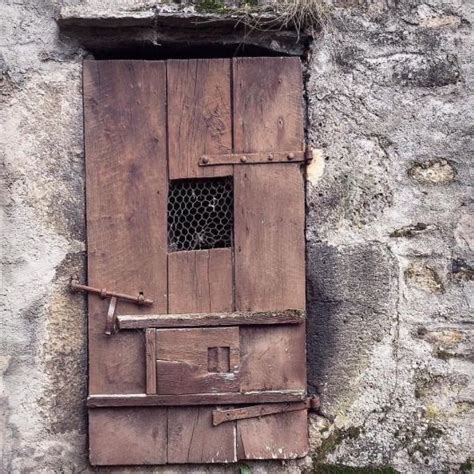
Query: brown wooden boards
x=126 y=173
x=193 y=439
x=269 y=244
x=272 y=358
x=188 y=360
x=128 y=435
x=200 y=281
x=267 y=104
x=226 y=325
x=199 y=115
x=280 y=436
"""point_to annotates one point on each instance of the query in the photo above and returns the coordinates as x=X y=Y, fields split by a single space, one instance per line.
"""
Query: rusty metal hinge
x=111 y=320
x=256 y=411
x=256 y=158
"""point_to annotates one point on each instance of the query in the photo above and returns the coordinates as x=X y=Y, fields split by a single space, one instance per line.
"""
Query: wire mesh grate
x=200 y=214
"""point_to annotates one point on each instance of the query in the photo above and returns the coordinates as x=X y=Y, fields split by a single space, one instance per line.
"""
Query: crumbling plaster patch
x=389 y=90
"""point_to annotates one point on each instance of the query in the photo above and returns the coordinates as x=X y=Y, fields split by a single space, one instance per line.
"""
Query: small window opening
x=200 y=214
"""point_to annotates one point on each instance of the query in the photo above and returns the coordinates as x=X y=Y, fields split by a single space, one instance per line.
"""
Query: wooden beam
x=136 y=321
x=274 y=396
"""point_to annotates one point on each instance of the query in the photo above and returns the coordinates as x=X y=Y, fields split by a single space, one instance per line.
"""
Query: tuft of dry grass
x=281 y=14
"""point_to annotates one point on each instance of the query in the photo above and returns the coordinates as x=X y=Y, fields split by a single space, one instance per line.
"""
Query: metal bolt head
x=205 y=160
x=243 y=159
x=290 y=156
x=270 y=157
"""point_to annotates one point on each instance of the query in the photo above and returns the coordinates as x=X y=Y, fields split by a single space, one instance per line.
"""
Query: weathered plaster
x=389 y=230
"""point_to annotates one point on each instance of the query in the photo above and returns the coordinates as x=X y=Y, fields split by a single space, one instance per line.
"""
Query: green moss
x=330 y=443
x=466 y=466
x=341 y=469
x=211 y=6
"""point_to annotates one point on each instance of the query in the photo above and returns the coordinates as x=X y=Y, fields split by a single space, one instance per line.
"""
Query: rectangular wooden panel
x=272 y=358
x=269 y=238
x=200 y=281
x=193 y=439
x=126 y=179
x=269 y=200
x=268 y=104
x=199 y=115
x=128 y=435
x=182 y=364
x=280 y=436
x=289 y=316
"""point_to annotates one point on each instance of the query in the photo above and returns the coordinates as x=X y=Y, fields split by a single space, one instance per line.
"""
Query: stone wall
x=389 y=229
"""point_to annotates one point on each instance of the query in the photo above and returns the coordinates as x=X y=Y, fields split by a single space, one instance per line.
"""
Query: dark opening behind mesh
x=200 y=214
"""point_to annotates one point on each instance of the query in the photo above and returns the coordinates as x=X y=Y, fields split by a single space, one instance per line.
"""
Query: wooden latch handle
x=111 y=319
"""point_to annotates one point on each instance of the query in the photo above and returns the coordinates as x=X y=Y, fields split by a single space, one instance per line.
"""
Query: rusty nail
x=291 y=156
x=270 y=157
x=243 y=159
x=205 y=160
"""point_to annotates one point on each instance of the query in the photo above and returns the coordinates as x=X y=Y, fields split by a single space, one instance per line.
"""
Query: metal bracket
x=111 y=319
x=255 y=158
x=256 y=411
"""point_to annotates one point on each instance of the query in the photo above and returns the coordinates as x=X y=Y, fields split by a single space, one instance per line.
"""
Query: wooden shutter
x=214 y=370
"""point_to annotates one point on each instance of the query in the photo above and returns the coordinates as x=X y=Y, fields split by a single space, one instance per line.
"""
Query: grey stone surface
x=389 y=228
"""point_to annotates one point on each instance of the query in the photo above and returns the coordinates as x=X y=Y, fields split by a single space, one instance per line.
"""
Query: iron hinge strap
x=263 y=157
x=256 y=411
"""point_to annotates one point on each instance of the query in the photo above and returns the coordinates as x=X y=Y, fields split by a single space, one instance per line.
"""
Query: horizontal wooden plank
x=252 y=158
x=142 y=400
x=133 y=321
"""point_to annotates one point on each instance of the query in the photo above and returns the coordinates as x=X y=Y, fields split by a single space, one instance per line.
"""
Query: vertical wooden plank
x=281 y=436
x=131 y=436
x=270 y=245
x=150 y=342
x=269 y=199
x=200 y=281
x=268 y=104
x=269 y=237
x=126 y=179
x=193 y=439
x=199 y=115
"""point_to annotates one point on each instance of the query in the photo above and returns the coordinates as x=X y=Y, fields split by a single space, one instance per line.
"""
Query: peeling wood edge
x=141 y=400
x=290 y=316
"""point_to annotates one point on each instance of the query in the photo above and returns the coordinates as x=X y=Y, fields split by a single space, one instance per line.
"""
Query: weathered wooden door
x=195 y=200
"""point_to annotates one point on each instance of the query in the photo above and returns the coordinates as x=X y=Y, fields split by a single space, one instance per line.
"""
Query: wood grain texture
x=268 y=104
x=182 y=364
x=126 y=180
x=272 y=358
x=199 y=115
x=276 y=396
x=193 y=439
x=240 y=318
x=269 y=200
x=150 y=343
x=133 y=436
x=269 y=238
x=200 y=281
x=280 y=436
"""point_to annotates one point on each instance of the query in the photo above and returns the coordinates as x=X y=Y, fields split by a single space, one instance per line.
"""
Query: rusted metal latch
x=111 y=321
x=256 y=411
x=256 y=158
